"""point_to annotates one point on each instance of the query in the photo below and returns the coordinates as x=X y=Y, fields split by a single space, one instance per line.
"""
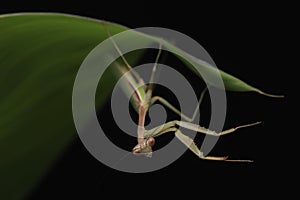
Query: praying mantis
x=142 y=99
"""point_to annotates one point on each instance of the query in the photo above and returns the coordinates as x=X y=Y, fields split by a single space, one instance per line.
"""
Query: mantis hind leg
x=175 y=110
x=150 y=88
x=128 y=66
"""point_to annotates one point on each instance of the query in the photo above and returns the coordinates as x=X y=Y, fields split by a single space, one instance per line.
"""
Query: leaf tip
x=269 y=95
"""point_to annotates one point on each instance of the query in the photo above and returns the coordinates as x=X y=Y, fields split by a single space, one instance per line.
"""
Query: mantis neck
x=141 y=128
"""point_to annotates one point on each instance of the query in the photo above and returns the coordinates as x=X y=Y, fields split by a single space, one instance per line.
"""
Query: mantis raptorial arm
x=159 y=130
x=168 y=127
x=189 y=142
x=175 y=110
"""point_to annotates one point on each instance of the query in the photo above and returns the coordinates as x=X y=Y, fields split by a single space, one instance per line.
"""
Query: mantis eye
x=151 y=141
x=136 y=149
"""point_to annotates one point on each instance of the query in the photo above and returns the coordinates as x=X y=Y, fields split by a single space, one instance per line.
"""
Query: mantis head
x=144 y=148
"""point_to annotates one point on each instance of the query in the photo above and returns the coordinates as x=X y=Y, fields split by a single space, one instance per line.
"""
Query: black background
x=243 y=40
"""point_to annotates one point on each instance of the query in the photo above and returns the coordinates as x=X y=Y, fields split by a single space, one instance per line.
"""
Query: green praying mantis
x=142 y=99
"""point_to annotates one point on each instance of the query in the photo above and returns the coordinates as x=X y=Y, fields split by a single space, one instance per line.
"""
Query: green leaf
x=39 y=58
x=211 y=73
